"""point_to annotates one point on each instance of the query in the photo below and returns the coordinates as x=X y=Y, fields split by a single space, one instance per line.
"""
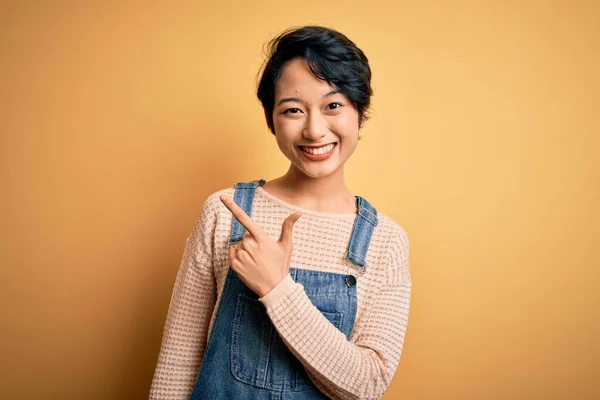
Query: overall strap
x=243 y=197
x=362 y=231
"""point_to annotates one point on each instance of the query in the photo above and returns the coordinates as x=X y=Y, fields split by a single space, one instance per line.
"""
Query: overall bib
x=245 y=357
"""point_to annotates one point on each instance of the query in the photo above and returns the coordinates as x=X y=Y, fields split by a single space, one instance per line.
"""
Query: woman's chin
x=317 y=171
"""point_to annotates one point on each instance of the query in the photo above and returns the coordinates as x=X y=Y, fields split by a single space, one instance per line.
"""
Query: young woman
x=257 y=315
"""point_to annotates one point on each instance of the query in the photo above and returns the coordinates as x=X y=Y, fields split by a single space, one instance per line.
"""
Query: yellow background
x=117 y=120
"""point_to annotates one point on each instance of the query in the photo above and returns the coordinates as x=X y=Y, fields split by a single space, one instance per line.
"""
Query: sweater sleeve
x=192 y=302
x=342 y=369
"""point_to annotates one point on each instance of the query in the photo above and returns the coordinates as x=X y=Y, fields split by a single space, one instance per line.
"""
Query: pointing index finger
x=241 y=216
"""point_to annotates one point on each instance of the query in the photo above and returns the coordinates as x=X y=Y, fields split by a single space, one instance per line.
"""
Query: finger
x=248 y=242
x=241 y=216
x=232 y=254
x=244 y=256
x=236 y=265
x=241 y=245
x=288 y=228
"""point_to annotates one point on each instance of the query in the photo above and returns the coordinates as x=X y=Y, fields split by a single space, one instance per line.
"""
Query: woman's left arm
x=342 y=369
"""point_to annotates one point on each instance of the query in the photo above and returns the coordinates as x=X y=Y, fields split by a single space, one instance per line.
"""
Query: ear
x=364 y=119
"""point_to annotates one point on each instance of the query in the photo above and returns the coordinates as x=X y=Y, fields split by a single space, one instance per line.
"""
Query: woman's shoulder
x=213 y=201
x=394 y=240
x=390 y=229
x=214 y=198
x=213 y=205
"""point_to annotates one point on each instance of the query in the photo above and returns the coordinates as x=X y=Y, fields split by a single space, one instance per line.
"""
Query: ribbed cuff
x=286 y=286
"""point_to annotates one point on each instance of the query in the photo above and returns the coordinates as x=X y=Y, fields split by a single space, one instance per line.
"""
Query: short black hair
x=330 y=55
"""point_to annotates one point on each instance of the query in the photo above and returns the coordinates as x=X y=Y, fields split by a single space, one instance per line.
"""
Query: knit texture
x=359 y=368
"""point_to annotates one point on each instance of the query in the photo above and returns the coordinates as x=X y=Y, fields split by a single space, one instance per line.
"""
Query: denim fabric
x=364 y=224
x=243 y=197
x=245 y=357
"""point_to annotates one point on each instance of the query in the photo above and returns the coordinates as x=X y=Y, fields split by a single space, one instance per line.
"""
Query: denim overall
x=245 y=357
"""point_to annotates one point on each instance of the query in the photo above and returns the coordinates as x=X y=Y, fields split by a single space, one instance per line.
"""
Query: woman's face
x=316 y=126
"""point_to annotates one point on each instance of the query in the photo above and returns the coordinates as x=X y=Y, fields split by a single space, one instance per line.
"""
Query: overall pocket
x=258 y=355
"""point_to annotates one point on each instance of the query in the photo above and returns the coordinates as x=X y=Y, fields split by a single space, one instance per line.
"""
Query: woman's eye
x=292 y=111
x=333 y=106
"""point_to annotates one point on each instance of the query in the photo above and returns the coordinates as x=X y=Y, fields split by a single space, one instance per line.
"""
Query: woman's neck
x=326 y=194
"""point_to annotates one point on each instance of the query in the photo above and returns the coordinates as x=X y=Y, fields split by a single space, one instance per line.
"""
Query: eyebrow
x=297 y=100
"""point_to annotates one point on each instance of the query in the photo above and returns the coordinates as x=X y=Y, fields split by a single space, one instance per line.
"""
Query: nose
x=316 y=126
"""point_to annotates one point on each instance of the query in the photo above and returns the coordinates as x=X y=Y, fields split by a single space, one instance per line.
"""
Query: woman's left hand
x=259 y=261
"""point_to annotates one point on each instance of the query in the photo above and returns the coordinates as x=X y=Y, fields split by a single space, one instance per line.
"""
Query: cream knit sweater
x=359 y=368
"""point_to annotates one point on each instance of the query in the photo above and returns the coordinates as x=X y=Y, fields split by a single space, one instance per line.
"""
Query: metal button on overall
x=350 y=280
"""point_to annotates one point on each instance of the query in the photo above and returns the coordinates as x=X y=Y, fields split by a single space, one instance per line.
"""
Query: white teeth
x=318 y=150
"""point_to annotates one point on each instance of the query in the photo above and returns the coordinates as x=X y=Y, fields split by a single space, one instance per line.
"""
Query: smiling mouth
x=318 y=150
